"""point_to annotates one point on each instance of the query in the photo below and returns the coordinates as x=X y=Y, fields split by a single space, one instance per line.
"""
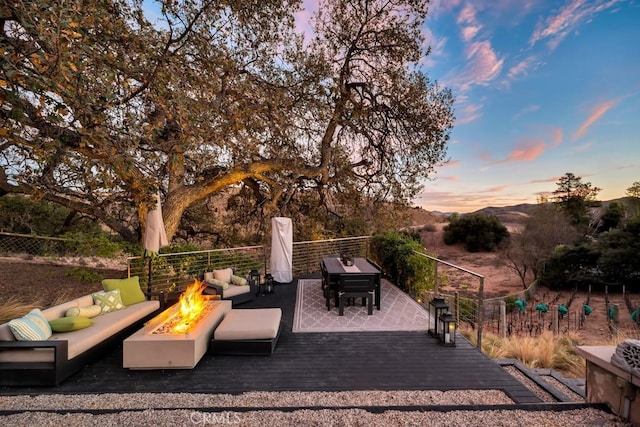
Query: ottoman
x=247 y=332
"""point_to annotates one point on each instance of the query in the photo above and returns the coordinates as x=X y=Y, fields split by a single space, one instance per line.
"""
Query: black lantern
x=254 y=276
x=437 y=306
x=447 y=329
x=268 y=284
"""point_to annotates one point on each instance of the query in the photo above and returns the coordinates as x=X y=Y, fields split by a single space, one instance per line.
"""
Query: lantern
x=254 y=276
x=268 y=284
x=447 y=329
x=437 y=306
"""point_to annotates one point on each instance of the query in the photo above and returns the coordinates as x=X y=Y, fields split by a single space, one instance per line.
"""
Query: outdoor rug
x=398 y=312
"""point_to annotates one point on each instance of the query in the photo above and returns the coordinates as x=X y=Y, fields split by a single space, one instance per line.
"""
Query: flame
x=191 y=305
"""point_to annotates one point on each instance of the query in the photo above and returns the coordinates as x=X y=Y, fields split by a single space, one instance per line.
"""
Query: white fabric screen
x=281 y=249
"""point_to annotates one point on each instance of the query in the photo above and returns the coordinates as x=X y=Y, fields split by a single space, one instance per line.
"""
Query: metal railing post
x=480 y=311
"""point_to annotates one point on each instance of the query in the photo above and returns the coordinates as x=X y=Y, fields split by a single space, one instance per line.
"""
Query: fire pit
x=178 y=337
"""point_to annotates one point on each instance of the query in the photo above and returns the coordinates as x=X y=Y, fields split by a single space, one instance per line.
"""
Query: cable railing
x=173 y=272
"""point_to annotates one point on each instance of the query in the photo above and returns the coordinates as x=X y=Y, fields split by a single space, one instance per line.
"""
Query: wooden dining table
x=334 y=268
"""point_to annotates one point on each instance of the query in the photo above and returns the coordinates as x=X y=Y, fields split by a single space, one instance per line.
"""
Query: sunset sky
x=542 y=88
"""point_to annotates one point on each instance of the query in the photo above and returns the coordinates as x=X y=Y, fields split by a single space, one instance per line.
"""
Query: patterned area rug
x=398 y=312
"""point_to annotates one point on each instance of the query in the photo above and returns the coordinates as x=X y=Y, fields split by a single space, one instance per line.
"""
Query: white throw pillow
x=224 y=275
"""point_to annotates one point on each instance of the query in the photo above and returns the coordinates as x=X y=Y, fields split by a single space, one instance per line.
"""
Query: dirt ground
x=43 y=282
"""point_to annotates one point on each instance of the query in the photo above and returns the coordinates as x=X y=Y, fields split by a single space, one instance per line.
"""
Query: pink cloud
x=470 y=113
x=497 y=189
x=467 y=15
x=450 y=164
x=597 y=113
x=484 y=65
x=557 y=27
x=469 y=32
x=526 y=151
x=545 y=180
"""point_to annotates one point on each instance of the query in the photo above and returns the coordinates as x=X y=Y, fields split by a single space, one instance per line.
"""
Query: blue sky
x=542 y=88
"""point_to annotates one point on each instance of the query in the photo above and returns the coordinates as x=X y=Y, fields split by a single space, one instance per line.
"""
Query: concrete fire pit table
x=150 y=349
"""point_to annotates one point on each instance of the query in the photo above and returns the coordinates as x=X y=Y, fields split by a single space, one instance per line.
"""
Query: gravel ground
x=530 y=384
x=324 y=417
x=182 y=409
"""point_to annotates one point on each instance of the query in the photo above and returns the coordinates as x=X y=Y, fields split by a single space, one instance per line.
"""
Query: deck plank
x=309 y=362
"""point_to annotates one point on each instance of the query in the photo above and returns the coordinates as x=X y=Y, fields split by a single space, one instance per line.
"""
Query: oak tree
x=102 y=107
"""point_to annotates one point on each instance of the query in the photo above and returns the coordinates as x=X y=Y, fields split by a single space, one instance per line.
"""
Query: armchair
x=230 y=286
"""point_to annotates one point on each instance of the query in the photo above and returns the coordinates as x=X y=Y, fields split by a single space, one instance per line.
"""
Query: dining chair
x=356 y=286
x=326 y=286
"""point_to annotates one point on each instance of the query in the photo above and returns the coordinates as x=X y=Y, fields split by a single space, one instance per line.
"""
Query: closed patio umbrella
x=155 y=236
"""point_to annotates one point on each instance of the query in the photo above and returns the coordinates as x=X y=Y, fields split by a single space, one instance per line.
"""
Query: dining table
x=334 y=268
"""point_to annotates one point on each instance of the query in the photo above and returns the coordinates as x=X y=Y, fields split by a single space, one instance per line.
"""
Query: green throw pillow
x=130 y=291
x=109 y=301
x=90 y=311
x=223 y=285
x=33 y=326
x=68 y=324
x=240 y=281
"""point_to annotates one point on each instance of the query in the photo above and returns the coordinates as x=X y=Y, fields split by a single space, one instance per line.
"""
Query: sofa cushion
x=109 y=301
x=67 y=324
x=104 y=326
x=232 y=291
x=91 y=311
x=130 y=291
x=216 y=282
x=224 y=274
x=239 y=281
x=33 y=326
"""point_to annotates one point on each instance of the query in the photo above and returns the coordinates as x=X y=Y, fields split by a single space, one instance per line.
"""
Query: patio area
x=344 y=361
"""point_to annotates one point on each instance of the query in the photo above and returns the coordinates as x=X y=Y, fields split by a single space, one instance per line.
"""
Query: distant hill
x=509 y=214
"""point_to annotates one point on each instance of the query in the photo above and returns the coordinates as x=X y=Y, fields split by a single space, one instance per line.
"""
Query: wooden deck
x=309 y=362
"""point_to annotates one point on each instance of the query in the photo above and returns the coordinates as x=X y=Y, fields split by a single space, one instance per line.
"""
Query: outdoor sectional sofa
x=49 y=362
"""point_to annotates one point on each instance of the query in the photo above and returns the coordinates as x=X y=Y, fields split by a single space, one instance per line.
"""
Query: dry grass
x=543 y=351
x=15 y=307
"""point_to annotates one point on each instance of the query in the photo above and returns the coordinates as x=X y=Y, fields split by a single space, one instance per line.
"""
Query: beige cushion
x=232 y=291
x=224 y=275
x=89 y=312
x=246 y=324
x=239 y=281
x=223 y=285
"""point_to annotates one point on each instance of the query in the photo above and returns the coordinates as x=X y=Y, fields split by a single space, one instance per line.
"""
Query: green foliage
x=612 y=217
x=575 y=196
x=612 y=259
x=396 y=255
x=25 y=215
x=85 y=275
x=99 y=244
x=510 y=301
x=478 y=232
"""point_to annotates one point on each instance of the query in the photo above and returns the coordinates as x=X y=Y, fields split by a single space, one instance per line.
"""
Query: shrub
x=396 y=254
x=478 y=232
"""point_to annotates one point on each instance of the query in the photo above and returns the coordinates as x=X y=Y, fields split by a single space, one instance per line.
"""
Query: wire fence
x=13 y=243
